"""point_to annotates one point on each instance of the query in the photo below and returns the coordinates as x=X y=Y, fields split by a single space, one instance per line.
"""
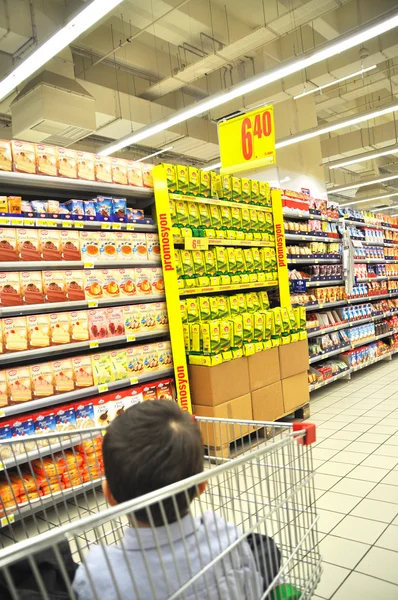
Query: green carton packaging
x=248 y=327
x=182 y=179
x=204 y=216
x=215 y=185
x=205 y=183
x=246 y=190
x=194 y=181
x=171 y=177
x=255 y=192
x=236 y=183
x=226 y=181
x=225 y=335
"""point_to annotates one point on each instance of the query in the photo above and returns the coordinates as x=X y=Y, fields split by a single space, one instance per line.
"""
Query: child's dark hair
x=151 y=445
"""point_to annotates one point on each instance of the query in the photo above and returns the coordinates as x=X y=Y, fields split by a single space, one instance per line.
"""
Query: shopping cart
x=264 y=487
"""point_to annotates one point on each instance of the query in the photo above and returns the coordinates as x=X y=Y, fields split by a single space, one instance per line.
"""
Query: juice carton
x=194 y=180
x=226 y=187
x=198 y=262
x=215 y=217
x=225 y=335
x=182 y=179
x=236 y=218
x=264 y=194
x=226 y=217
x=182 y=215
x=193 y=214
x=255 y=192
x=204 y=216
x=248 y=327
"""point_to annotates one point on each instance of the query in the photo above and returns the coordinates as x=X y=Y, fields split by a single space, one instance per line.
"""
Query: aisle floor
x=356 y=483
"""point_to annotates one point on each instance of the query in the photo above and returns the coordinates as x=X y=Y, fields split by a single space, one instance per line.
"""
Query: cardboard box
x=267 y=402
x=211 y=386
x=218 y=434
x=264 y=369
x=295 y=391
x=293 y=358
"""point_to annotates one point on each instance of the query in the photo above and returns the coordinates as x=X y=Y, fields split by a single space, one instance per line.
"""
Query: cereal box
x=110 y=278
x=135 y=360
x=38 y=327
x=119 y=171
x=63 y=373
x=46 y=160
x=50 y=244
x=83 y=371
x=60 y=328
x=103 y=168
x=127 y=282
x=8 y=245
x=78 y=321
x=134 y=173
x=94 y=284
x=115 y=320
x=74 y=285
x=103 y=369
x=98 y=324
x=15 y=334
x=28 y=245
x=85 y=166
x=66 y=163
x=10 y=289
x=24 y=157
x=5 y=156
x=19 y=386
x=42 y=380
x=54 y=286
x=70 y=245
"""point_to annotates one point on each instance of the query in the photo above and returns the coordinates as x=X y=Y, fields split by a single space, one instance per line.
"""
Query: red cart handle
x=310 y=432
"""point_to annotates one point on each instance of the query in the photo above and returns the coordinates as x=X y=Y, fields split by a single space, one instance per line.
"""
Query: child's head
x=151 y=445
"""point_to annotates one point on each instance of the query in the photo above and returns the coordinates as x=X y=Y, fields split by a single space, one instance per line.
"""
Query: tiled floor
x=356 y=456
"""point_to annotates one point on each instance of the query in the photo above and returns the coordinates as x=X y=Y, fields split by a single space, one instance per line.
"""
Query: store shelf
x=310 y=261
x=307 y=216
x=347 y=325
x=325 y=355
x=367 y=243
x=361 y=224
x=219 y=202
x=226 y=288
x=299 y=237
x=77 y=264
x=24 y=182
x=325 y=305
x=39 y=353
x=317 y=386
x=369 y=261
x=63 y=224
x=33 y=309
x=372 y=298
x=35 y=506
x=367 y=279
x=372 y=362
x=82 y=393
x=217 y=242
x=310 y=284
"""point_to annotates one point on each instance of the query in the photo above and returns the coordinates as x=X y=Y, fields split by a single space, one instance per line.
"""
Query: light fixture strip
x=363 y=184
x=363 y=158
x=60 y=40
x=330 y=49
x=216 y=165
x=154 y=154
x=327 y=85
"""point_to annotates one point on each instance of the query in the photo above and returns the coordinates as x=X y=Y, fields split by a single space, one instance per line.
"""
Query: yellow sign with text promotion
x=247 y=141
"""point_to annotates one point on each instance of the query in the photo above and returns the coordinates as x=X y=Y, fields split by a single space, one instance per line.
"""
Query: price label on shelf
x=133 y=380
x=5 y=221
x=42 y=222
x=105 y=225
x=130 y=227
x=2 y=414
x=17 y=222
x=7 y=520
x=88 y=265
x=130 y=337
x=1 y=466
x=320 y=305
x=51 y=223
x=29 y=222
x=94 y=344
x=116 y=226
x=93 y=304
x=67 y=224
x=192 y=243
x=103 y=387
x=78 y=224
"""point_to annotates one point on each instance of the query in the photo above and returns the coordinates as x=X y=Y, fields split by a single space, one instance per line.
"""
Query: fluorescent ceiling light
x=216 y=165
x=322 y=87
x=394 y=215
x=359 y=185
x=369 y=199
x=316 y=132
x=155 y=153
x=364 y=158
x=60 y=40
x=331 y=49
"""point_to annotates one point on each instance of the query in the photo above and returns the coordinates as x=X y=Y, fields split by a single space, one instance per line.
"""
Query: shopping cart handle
x=310 y=432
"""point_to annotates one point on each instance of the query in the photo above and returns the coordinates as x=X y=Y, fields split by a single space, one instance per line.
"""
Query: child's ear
x=202 y=487
x=108 y=494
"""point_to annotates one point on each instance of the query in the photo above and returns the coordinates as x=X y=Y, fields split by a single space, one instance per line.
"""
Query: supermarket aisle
x=357 y=484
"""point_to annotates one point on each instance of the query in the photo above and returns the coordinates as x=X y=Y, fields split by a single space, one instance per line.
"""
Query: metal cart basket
x=50 y=492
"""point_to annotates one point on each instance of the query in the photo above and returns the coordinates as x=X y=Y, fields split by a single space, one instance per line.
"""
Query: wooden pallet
x=252 y=440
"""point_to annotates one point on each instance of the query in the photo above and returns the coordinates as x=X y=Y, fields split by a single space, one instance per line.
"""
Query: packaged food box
x=85 y=166
x=19 y=385
x=157 y=281
x=107 y=245
x=171 y=177
x=46 y=160
x=119 y=171
x=74 y=285
x=205 y=183
x=101 y=412
x=134 y=173
x=8 y=245
x=15 y=334
x=164 y=390
x=23 y=427
x=42 y=380
x=10 y=289
x=103 y=168
x=24 y=156
x=66 y=163
x=153 y=246
x=147 y=176
x=119 y=363
x=38 y=328
x=131 y=318
x=135 y=360
x=60 y=328
x=3 y=391
x=31 y=287
x=50 y=244
x=70 y=245
x=5 y=156
x=98 y=324
x=182 y=179
x=150 y=358
x=236 y=183
x=78 y=321
x=139 y=245
x=84 y=413
x=63 y=374
x=143 y=282
x=65 y=418
x=161 y=316
x=110 y=286
x=27 y=241
x=76 y=209
x=149 y=392
x=89 y=245
x=194 y=180
x=146 y=316
x=182 y=215
x=104 y=206
x=127 y=282
x=117 y=407
x=94 y=283
x=83 y=371
x=119 y=210
x=103 y=370
x=54 y=286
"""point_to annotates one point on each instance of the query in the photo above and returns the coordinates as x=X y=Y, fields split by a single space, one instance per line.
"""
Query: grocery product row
x=220 y=265
x=317 y=273
x=40 y=159
x=206 y=218
x=208 y=184
x=297 y=205
x=371 y=219
x=314 y=250
x=27 y=383
x=312 y=227
x=41 y=331
x=35 y=245
x=39 y=287
x=101 y=210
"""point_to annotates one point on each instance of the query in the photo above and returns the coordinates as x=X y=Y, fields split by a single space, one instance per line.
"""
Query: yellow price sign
x=247 y=141
x=192 y=243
